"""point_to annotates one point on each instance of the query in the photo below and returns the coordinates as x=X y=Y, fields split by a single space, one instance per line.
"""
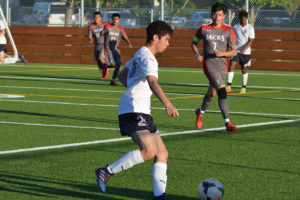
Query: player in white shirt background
x=140 y=77
x=245 y=37
x=2 y=41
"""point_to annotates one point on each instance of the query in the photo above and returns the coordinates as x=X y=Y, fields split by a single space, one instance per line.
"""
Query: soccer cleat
x=103 y=176
x=243 y=90
x=105 y=73
x=228 y=89
x=113 y=82
x=199 y=118
x=230 y=127
x=161 y=197
x=22 y=59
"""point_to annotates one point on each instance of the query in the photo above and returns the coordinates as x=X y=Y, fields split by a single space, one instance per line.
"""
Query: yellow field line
x=50 y=70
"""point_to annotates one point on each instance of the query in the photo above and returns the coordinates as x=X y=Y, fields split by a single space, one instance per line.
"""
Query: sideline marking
x=162 y=70
x=58 y=125
x=154 y=108
x=161 y=83
x=10 y=96
x=127 y=138
x=84 y=90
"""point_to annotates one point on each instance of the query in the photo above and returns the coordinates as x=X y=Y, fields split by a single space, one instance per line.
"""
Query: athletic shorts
x=215 y=70
x=99 y=52
x=132 y=122
x=113 y=57
x=242 y=59
x=2 y=47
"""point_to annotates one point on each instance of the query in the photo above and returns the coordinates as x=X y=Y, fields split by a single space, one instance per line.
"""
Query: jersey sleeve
x=252 y=33
x=89 y=31
x=124 y=35
x=232 y=38
x=149 y=67
x=198 y=35
x=2 y=26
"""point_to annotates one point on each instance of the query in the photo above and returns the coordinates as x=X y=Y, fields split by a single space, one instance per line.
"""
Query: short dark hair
x=115 y=15
x=97 y=13
x=243 y=13
x=219 y=6
x=159 y=28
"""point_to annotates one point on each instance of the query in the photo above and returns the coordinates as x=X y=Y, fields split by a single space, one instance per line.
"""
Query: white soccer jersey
x=243 y=35
x=2 y=37
x=137 y=97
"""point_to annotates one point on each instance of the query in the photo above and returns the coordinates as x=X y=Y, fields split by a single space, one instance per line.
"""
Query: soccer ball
x=210 y=189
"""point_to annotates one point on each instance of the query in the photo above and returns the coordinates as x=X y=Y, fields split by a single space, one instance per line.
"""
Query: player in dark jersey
x=219 y=43
x=95 y=36
x=113 y=33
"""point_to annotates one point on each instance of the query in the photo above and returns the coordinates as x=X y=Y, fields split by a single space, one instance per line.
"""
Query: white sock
x=245 y=79
x=125 y=162
x=226 y=120
x=202 y=111
x=159 y=176
x=230 y=76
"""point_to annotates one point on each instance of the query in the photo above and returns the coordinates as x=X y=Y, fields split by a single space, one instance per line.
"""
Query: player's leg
x=245 y=63
x=159 y=168
x=207 y=98
x=222 y=101
x=2 y=48
x=230 y=74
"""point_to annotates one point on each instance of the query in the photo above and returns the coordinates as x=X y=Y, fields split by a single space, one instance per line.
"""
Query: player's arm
x=90 y=36
x=3 y=32
x=232 y=51
x=123 y=76
x=194 y=46
x=156 y=89
x=250 y=41
x=125 y=37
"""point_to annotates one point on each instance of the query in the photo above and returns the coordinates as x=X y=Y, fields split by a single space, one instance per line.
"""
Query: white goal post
x=15 y=58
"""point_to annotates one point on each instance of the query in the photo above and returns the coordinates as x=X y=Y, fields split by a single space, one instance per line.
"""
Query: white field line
x=179 y=84
x=161 y=70
x=128 y=138
x=154 y=108
x=250 y=73
x=58 y=125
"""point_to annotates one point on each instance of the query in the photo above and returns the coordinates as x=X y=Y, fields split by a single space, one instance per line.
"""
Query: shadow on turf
x=66 y=79
x=28 y=185
x=60 y=116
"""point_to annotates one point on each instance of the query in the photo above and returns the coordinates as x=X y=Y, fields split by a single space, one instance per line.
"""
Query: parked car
x=176 y=21
x=127 y=19
x=199 y=18
x=273 y=19
x=50 y=14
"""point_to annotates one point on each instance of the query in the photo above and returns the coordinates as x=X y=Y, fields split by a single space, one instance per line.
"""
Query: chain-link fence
x=139 y=13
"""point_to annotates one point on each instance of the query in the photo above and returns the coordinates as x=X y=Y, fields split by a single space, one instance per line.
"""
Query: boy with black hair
x=245 y=37
x=219 y=43
x=113 y=33
x=95 y=36
x=140 y=77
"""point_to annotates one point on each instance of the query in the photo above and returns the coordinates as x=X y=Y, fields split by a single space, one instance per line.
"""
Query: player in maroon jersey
x=113 y=33
x=95 y=36
x=219 y=43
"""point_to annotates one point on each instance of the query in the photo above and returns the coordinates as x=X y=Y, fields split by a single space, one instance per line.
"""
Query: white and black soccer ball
x=210 y=189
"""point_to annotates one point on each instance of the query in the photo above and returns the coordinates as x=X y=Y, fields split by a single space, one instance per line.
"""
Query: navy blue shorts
x=241 y=58
x=132 y=122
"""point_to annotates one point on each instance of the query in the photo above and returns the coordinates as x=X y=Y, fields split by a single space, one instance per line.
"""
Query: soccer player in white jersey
x=245 y=37
x=219 y=43
x=2 y=41
x=140 y=77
